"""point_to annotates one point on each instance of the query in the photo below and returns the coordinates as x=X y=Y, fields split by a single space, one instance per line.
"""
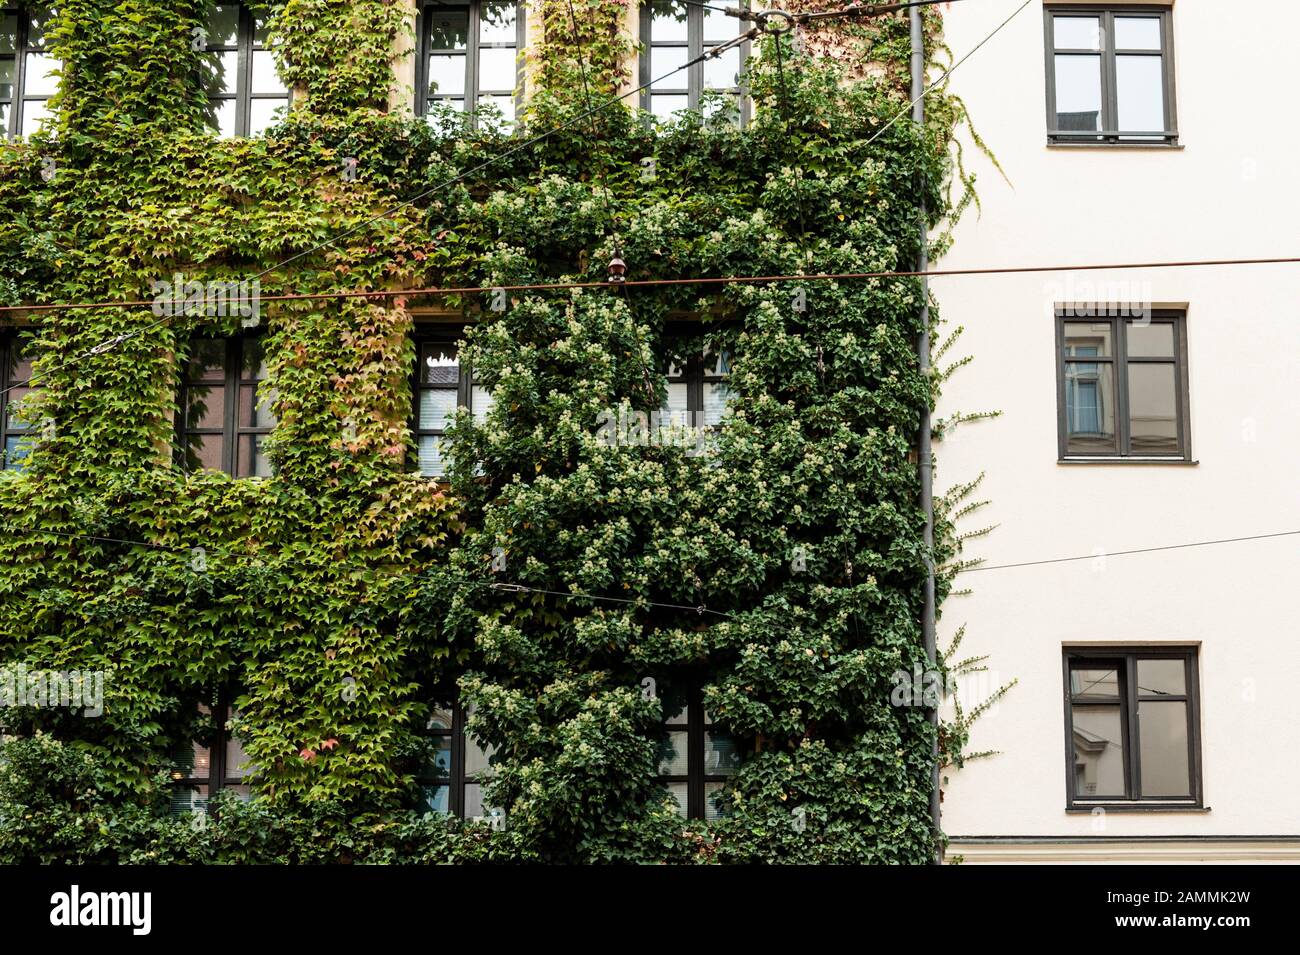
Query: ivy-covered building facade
x=434 y=425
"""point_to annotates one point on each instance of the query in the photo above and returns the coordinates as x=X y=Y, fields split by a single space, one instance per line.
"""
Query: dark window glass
x=225 y=411
x=674 y=33
x=214 y=762
x=1123 y=387
x=697 y=393
x=470 y=56
x=1132 y=726
x=1110 y=76
x=245 y=91
x=456 y=768
x=696 y=759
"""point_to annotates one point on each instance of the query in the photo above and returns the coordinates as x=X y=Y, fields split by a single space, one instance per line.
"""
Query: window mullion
x=694 y=47
x=471 y=61
x=695 y=755
x=1109 y=76
x=457 y=781
x=1120 y=364
x=1134 y=731
x=230 y=438
x=20 y=77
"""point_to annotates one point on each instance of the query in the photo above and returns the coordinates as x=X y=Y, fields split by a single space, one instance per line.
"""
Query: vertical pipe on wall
x=924 y=454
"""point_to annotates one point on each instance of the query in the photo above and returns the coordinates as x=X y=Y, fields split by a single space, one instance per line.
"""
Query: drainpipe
x=924 y=455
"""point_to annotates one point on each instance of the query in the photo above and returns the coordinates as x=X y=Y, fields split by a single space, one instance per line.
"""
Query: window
x=1132 y=727
x=673 y=33
x=16 y=431
x=442 y=384
x=27 y=73
x=697 y=391
x=208 y=765
x=1122 y=389
x=1110 y=76
x=470 y=56
x=223 y=420
x=454 y=777
x=695 y=759
x=244 y=89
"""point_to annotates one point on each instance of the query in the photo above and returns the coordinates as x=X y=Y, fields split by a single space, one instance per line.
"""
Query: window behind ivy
x=673 y=33
x=696 y=758
x=697 y=390
x=244 y=89
x=27 y=71
x=442 y=385
x=470 y=56
x=224 y=417
x=214 y=761
x=458 y=768
x=16 y=429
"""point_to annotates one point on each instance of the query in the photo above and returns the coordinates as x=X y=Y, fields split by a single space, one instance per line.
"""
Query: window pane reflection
x=1098 y=751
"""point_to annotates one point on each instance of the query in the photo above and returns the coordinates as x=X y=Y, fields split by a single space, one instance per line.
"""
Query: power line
x=712 y=280
x=498 y=586
x=1125 y=553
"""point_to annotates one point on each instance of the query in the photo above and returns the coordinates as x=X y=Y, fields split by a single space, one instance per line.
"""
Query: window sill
x=1055 y=144
x=1085 y=809
x=1114 y=144
x=1184 y=462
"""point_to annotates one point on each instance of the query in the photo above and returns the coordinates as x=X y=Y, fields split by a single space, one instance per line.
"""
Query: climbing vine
x=344 y=595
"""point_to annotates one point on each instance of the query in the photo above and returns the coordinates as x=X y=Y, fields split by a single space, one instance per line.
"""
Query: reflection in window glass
x=1077 y=33
x=18 y=427
x=225 y=410
x=1163 y=732
x=1078 y=92
x=1123 y=386
x=245 y=93
x=675 y=33
x=1098 y=751
x=1121 y=90
x=28 y=76
x=472 y=57
x=1139 y=700
x=1141 y=95
x=1137 y=33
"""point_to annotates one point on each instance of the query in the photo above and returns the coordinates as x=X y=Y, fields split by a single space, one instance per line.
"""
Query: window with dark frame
x=244 y=87
x=673 y=33
x=1132 y=727
x=27 y=72
x=1122 y=388
x=452 y=780
x=223 y=419
x=206 y=766
x=1110 y=75
x=696 y=759
x=469 y=56
x=441 y=385
x=697 y=391
x=17 y=433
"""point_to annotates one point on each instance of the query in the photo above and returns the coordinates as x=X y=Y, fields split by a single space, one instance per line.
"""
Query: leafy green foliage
x=346 y=566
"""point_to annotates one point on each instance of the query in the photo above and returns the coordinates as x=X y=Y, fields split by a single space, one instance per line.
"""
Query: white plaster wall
x=1232 y=191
